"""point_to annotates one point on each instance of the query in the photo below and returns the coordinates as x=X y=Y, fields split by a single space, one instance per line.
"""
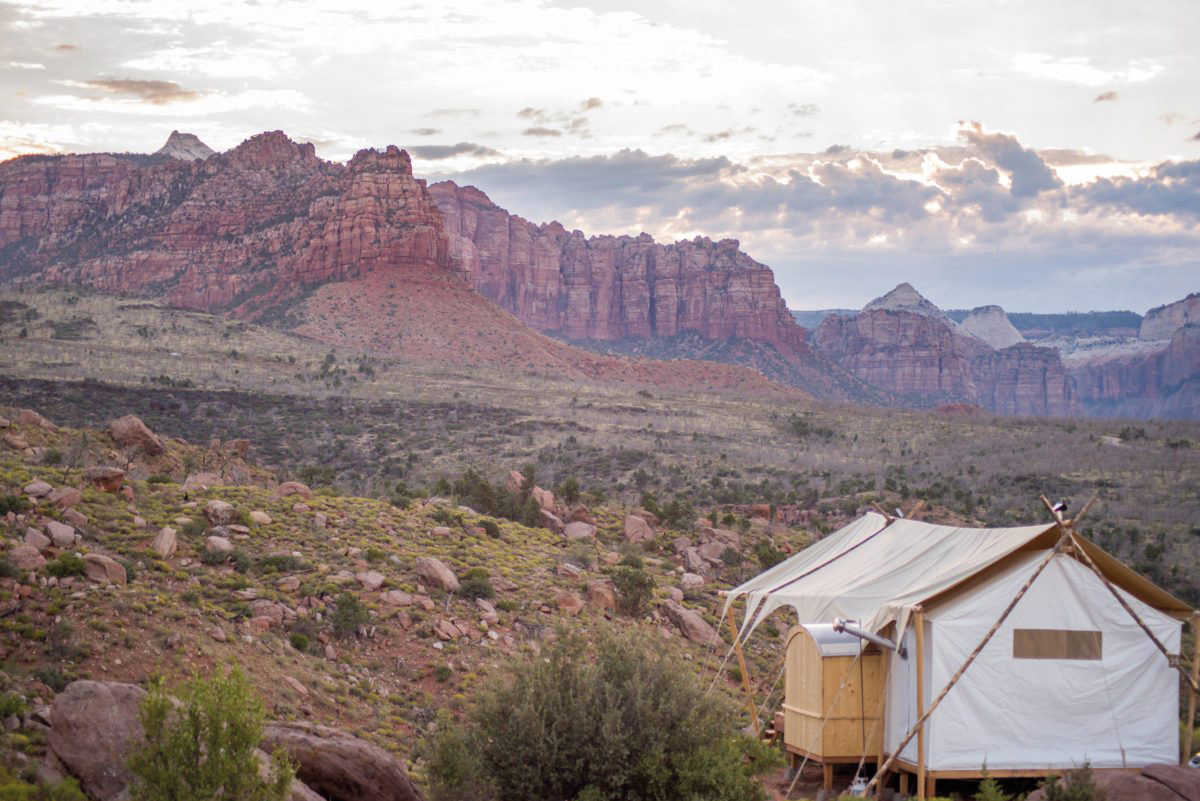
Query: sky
x=1042 y=156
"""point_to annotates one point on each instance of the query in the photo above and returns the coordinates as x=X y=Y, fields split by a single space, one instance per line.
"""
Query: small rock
x=675 y=594
x=601 y=595
x=553 y=523
x=637 y=529
x=611 y=558
x=568 y=602
x=65 y=497
x=38 y=489
x=103 y=569
x=106 y=479
x=397 y=598
x=579 y=531
x=320 y=520
x=37 y=539
x=15 y=441
x=165 y=543
x=220 y=513
x=75 y=517
x=218 y=544
x=260 y=517
x=62 y=535
x=691 y=624
x=371 y=580
x=295 y=685
x=288 y=584
x=293 y=488
x=433 y=571
x=218 y=634
x=26 y=557
x=580 y=514
x=441 y=531
x=140 y=522
x=567 y=571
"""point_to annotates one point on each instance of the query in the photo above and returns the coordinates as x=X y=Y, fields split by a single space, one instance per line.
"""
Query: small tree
x=348 y=614
x=1077 y=785
x=202 y=748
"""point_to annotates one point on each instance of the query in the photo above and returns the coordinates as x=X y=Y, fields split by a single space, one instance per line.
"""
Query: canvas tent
x=1068 y=677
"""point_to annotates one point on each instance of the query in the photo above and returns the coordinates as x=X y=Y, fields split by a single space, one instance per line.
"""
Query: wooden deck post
x=1191 y=707
x=919 y=627
x=737 y=646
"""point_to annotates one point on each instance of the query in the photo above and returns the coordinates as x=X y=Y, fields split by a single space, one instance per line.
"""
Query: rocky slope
x=904 y=344
x=1163 y=321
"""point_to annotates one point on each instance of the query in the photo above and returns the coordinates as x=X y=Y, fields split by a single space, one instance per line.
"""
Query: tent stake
x=1191 y=713
x=737 y=644
x=919 y=623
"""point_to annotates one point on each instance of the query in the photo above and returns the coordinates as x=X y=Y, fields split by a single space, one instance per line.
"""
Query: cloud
x=454 y=112
x=65 y=47
x=25 y=65
x=425 y=131
x=531 y=113
x=438 y=152
x=1195 y=137
x=1029 y=174
x=803 y=109
x=209 y=103
x=1169 y=189
x=1105 y=97
x=1080 y=70
x=590 y=104
x=156 y=93
x=541 y=131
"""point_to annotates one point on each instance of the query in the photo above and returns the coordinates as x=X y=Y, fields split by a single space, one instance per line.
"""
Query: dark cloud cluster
x=1171 y=189
x=1029 y=173
x=1106 y=97
x=572 y=122
x=439 y=152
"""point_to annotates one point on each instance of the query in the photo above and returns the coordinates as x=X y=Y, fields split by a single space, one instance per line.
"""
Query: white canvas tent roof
x=876 y=570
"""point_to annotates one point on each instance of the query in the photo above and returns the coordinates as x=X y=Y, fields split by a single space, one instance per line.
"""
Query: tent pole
x=919 y=630
x=1191 y=710
x=737 y=645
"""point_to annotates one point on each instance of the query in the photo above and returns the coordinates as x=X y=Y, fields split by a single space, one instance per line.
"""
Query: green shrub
x=568 y=490
x=1076 y=785
x=767 y=554
x=491 y=528
x=348 y=614
x=67 y=564
x=12 y=502
x=299 y=641
x=52 y=677
x=374 y=555
x=204 y=749
x=442 y=673
x=18 y=789
x=195 y=527
x=212 y=557
x=52 y=456
x=603 y=720
x=476 y=583
x=634 y=589
x=159 y=478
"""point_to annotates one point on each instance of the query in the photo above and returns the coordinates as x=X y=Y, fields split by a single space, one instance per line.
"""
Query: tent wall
x=1022 y=713
x=900 y=709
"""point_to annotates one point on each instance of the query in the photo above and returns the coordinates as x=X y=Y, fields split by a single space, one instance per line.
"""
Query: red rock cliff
x=606 y=287
x=236 y=231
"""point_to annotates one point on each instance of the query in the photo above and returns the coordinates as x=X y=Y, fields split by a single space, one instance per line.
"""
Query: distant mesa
x=1162 y=322
x=185 y=147
x=992 y=325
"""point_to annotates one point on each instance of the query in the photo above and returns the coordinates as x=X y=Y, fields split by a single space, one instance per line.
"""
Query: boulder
x=691 y=581
x=1127 y=785
x=397 y=598
x=220 y=513
x=601 y=595
x=165 y=543
x=218 y=544
x=567 y=571
x=260 y=518
x=514 y=481
x=65 y=497
x=75 y=517
x=579 y=531
x=339 y=766
x=288 y=584
x=38 y=489
x=552 y=522
x=691 y=624
x=680 y=545
x=293 y=488
x=95 y=727
x=711 y=551
x=103 y=569
x=106 y=479
x=637 y=529
x=544 y=498
x=26 y=557
x=130 y=432
x=62 y=535
x=1184 y=781
x=36 y=539
x=238 y=447
x=433 y=572
x=693 y=562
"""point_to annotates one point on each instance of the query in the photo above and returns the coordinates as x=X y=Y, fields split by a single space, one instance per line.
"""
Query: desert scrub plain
x=360 y=424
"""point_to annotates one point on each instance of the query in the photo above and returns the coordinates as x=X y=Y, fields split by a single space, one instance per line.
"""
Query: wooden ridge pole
x=919 y=625
x=1191 y=712
x=750 y=705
